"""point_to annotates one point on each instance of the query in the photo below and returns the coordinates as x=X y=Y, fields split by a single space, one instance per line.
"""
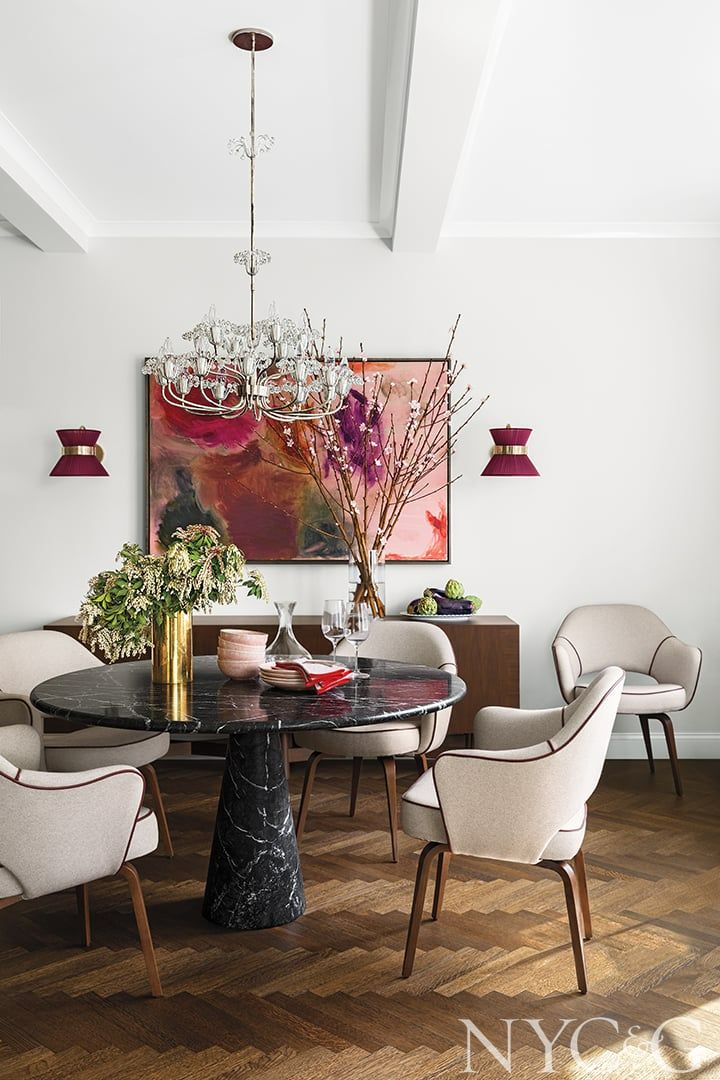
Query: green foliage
x=196 y=572
x=454 y=590
x=426 y=605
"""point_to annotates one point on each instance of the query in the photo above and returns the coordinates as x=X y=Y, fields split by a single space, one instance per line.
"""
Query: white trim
x=583 y=230
x=238 y=230
x=368 y=230
x=35 y=200
x=629 y=746
x=447 y=79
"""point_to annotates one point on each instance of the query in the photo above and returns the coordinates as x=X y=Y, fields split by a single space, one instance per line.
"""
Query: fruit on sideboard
x=426 y=605
x=454 y=590
x=446 y=606
x=445 y=601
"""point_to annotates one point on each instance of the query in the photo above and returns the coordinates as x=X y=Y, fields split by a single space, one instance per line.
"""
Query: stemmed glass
x=333 y=622
x=357 y=630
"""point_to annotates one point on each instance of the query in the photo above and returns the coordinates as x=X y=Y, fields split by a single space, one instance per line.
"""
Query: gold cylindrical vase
x=172 y=653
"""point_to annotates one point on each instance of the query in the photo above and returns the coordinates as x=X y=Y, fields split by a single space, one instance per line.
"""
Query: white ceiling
x=599 y=111
x=557 y=116
x=132 y=104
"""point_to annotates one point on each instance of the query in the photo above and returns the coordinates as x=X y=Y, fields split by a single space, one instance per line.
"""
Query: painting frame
x=318 y=560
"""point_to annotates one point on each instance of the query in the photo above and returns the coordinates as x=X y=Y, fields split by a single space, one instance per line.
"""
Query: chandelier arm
x=196 y=409
x=277 y=414
x=173 y=398
x=203 y=391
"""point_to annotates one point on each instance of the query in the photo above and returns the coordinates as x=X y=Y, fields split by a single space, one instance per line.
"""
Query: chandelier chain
x=252 y=187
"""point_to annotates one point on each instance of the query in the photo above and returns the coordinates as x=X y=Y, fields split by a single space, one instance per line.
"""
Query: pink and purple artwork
x=239 y=477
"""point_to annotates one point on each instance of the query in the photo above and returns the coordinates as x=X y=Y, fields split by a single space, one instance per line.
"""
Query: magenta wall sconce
x=509 y=454
x=81 y=455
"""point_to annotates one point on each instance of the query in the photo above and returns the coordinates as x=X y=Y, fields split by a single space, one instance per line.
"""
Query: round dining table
x=254 y=879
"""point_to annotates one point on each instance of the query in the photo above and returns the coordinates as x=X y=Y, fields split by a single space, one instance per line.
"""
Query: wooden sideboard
x=487 y=649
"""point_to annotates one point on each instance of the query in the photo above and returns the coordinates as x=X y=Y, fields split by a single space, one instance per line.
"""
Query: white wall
x=607 y=348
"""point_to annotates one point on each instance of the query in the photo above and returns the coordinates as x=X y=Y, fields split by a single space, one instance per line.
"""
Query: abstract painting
x=234 y=475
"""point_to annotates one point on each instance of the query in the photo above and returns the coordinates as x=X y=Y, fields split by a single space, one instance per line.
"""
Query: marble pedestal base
x=254 y=879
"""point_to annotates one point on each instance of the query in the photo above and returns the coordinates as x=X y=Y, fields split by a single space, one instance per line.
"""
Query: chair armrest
x=497 y=728
x=433 y=730
x=14 y=709
x=567 y=666
x=20 y=748
x=64 y=829
x=434 y=726
x=676 y=662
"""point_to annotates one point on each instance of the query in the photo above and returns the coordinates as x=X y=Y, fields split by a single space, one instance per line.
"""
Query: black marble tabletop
x=122 y=695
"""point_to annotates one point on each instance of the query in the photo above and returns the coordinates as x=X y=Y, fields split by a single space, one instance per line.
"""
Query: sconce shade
x=509 y=454
x=81 y=456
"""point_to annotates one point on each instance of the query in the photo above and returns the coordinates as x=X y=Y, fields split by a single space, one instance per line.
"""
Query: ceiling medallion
x=271 y=367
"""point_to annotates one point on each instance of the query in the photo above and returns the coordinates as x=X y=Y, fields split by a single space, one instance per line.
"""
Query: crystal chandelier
x=272 y=367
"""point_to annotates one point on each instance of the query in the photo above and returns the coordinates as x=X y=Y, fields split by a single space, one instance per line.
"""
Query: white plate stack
x=287 y=679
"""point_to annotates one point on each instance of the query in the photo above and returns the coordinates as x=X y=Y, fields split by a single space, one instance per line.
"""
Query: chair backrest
x=508 y=804
x=408 y=643
x=31 y=656
x=603 y=635
x=412 y=643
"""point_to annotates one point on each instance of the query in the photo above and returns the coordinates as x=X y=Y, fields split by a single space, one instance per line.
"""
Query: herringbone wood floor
x=322 y=998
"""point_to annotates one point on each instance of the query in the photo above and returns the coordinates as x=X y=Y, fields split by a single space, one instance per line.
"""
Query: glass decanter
x=285 y=646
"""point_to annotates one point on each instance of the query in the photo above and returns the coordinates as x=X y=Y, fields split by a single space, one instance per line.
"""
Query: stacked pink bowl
x=241 y=652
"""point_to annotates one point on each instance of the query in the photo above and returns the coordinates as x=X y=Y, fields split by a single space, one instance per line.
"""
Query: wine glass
x=333 y=622
x=357 y=630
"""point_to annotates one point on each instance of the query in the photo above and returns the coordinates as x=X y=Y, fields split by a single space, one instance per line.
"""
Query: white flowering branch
x=368 y=469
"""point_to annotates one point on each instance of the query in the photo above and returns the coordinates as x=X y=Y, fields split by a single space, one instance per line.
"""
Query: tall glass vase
x=285 y=645
x=366 y=578
x=172 y=653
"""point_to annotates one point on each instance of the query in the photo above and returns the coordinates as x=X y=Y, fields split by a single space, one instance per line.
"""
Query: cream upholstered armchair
x=28 y=658
x=519 y=796
x=410 y=643
x=63 y=830
x=635 y=639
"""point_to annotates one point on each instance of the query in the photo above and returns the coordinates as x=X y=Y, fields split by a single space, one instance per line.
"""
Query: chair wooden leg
x=572 y=899
x=8 y=900
x=427 y=855
x=672 y=749
x=355 y=786
x=388 y=764
x=579 y=865
x=82 y=895
x=130 y=874
x=645 y=725
x=310 y=770
x=440 y=879
x=150 y=775
x=421 y=762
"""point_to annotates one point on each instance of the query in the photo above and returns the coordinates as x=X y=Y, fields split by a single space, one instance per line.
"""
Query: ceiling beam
x=35 y=201
x=449 y=51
